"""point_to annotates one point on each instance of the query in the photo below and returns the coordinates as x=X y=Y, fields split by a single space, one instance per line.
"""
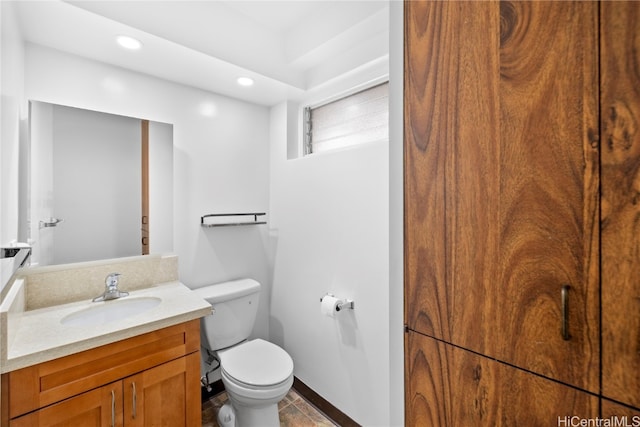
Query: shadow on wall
x=347 y=325
x=276 y=332
x=345 y=322
x=234 y=252
x=272 y=247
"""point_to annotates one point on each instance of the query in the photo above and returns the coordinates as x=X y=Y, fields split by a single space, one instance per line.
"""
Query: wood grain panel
x=193 y=415
x=548 y=195
x=472 y=183
x=170 y=347
x=165 y=395
x=620 y=124
x=452 y=168
x=620 y=414
x=501 y=180
x=449 y=386
x=426 y=91
x=90 y=409
x=49 y=382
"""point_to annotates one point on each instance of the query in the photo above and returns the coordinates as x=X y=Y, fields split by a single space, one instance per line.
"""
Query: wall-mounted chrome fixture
x=345 y=304
x=329 y=304
x=50 y=222
x=224 y=220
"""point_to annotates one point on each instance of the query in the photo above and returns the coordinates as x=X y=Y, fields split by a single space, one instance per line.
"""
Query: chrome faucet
x=111 y=289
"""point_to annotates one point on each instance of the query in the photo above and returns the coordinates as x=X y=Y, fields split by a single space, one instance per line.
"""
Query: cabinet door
x=101 y=407
x=167 y=395
x=620 y=415
x=620 y=65
x=450 y=387
x=501 y=181
x=46 y=383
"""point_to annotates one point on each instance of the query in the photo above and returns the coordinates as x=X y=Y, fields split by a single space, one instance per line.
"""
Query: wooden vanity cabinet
x=168 y=394
x=150 y=379
x=95 y=408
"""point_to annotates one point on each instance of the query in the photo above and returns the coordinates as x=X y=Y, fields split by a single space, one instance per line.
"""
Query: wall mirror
x=100 y=185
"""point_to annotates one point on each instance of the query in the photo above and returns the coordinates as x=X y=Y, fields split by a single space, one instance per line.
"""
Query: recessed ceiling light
x=245 y=81
x=129 y=42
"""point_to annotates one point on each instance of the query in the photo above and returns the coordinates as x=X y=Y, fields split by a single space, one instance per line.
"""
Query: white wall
x=330 y=233
x=337 y=227
x=221 y=158
x=12 y=117
x=396 y=213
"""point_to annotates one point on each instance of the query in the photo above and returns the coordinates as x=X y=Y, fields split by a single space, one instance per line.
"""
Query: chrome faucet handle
x=111 y=289
x=111 y=282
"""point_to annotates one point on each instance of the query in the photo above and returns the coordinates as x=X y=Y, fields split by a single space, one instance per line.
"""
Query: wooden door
x=168 y=394
x=501 y=181
x=449 y=386
x=101 y=407
x=620 y=105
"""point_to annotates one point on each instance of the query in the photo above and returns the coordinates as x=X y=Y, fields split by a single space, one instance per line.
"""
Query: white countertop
x=38 y=336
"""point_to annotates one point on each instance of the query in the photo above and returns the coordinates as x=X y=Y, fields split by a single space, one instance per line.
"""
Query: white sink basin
x=110 y=311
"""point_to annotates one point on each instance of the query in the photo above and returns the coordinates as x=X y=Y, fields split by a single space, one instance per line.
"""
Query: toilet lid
x=257 y=363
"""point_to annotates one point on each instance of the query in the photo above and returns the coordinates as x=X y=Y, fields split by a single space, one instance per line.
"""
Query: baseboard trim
x=339 y=417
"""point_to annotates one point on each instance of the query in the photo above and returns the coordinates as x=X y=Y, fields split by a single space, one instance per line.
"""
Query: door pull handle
x=564 y=293
x=113 y=409
x=135 y=399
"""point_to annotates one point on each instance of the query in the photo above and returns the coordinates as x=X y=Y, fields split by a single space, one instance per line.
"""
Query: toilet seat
x=256 y=364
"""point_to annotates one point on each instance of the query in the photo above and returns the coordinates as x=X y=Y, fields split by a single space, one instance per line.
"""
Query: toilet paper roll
x=329 y=305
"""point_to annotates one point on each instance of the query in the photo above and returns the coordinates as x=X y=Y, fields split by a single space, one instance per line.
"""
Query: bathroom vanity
x=134 y=361
x=133 y=382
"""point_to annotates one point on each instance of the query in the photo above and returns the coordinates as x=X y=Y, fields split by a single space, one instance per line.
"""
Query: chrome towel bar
x=49 y=222
x=230 y=221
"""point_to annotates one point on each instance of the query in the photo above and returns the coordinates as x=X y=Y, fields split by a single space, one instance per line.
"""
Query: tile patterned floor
x=294 y=412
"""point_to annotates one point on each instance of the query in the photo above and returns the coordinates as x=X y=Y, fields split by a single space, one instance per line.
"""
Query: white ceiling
x=290 y=48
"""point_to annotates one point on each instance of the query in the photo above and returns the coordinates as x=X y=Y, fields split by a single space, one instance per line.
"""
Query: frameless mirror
x=101 y=185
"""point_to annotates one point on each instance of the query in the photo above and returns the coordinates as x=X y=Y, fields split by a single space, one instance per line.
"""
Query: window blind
x=355 y=119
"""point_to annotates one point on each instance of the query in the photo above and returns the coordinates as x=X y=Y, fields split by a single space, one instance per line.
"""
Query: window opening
x=355 y=119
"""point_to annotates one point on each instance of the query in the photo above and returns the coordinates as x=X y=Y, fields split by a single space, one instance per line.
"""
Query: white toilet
x=256 y=374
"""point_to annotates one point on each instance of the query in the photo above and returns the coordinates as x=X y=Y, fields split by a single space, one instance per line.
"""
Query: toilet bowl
x=256 y=374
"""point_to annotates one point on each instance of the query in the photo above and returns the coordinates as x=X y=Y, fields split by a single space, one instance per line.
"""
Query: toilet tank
x=235 y=306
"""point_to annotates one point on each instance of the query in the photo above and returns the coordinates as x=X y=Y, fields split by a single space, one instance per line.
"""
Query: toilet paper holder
x=342 y=304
